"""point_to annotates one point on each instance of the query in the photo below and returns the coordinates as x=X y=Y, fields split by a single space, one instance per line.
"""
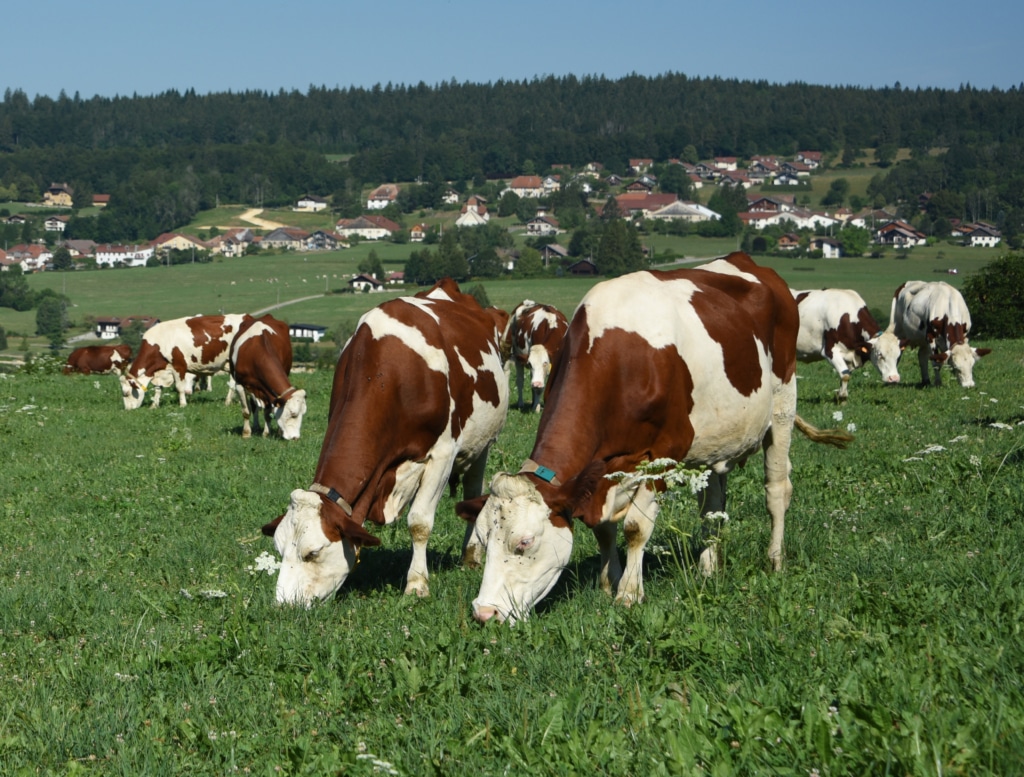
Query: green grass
x=133 y=639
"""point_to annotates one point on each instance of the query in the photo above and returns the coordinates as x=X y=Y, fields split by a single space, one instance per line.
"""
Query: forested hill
x=163 y=158
x=491 y=128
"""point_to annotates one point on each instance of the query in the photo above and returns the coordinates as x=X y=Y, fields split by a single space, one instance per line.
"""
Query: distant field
x=255 y=283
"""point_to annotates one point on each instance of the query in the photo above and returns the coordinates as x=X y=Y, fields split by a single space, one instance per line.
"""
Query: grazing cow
x=261 y=359
x=535 y=334
x=99 y=359
x=419 y=395
x=694 y=365
x=173 y=350
x=835 y=325
x=934 y=317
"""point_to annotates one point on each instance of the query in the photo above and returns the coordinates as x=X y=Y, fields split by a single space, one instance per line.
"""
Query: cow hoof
x=420 y=589
x=629 y=599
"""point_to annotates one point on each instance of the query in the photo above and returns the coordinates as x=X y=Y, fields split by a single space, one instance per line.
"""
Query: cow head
x=289 y=415
x=961 y=358
x=317 y=552
x=133 y=391
x=525 y=549
x=886 y=350
x=540 y=365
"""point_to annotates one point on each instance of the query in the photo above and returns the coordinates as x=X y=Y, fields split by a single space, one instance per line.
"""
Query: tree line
x=164 y=157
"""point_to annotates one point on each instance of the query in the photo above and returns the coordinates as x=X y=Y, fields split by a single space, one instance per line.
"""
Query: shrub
x=995 y=297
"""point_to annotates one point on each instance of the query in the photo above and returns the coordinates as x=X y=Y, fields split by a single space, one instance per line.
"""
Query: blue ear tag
x=544 y=473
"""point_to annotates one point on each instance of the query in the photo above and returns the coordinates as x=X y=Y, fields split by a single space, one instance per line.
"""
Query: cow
x=534 y=335
x=419 y=395
x=692 y=365
x=260 y=361
x=172 y=350
x=99 y=360
x=835 y=325
x=934 y=317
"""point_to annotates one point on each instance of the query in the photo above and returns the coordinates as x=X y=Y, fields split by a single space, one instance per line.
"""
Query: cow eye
x=311 y=556
x=524 y=544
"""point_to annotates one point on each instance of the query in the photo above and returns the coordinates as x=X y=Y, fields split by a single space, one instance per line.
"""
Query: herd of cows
x=694 y=365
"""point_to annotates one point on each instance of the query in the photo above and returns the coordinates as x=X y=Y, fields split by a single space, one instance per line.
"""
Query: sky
x=126 y=47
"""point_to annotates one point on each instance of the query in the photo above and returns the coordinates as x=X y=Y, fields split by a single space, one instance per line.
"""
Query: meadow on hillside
x=138 y=635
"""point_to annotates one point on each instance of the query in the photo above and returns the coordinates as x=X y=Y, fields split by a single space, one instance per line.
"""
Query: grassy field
x=135 y=637
x=299 y=282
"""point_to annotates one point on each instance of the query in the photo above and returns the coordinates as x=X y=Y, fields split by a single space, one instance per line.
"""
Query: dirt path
x=252 y=216
x=283 y=304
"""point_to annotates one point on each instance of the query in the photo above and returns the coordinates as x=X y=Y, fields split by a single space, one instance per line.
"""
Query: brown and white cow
x=173 y=350
x=934 y=317
x=419 y=395
x=835 y=325
x=694 y=365
x=535 y=333
x=260 y=363
x=99 y=360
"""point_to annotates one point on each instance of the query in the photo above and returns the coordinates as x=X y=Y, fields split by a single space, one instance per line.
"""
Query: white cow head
x=313 y=566
x=961 y=358
x=133 y=391
x=886 y=351
x=289 y=415
x=525 y=553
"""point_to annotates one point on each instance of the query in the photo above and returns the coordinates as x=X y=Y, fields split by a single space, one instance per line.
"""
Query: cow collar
x=287 y=393
x=530 y=467
x=334 y=496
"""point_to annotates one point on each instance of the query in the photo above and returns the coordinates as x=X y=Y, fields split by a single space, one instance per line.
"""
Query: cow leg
x=267 y=410
x=243 y=400
x=778 y=487
x=637 y=527
x=421 y=520
x=711 y=501
x=611 y=568
x=156 y=396
x=923 y=357
x=519 y=384
x=843 y=370
x=232 y=386
x=475 y=541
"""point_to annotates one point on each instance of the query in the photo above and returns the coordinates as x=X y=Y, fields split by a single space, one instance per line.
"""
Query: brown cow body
x=99 y=360
x=418 y=397
x=260 y=363
x=173 y=350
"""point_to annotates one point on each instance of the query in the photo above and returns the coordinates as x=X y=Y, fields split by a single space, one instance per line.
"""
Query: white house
x=382 y=196
x=530 y=186
x=127 y=256
x=984 y=235
x=828 y=246
x=310 y=203
x=690 y=212
x=306 y=332
x=365 y=283
x=474 y=213
x=367 y=227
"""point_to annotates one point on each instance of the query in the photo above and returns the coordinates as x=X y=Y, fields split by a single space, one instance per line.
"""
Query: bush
x=995 y=297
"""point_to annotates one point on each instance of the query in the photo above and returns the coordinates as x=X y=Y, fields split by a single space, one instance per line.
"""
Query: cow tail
x=835 y=437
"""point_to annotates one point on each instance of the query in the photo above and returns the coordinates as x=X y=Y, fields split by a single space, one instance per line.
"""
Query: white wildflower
x=96 y=384
x=958 y=438
x=1000 y=425
x=265 y=562
x=851 y=427
x=913 y=458
x=837 y=416
x=993 y=400
x=213 y=593
x=184 y=592
x=933 y=448
x=975 y=461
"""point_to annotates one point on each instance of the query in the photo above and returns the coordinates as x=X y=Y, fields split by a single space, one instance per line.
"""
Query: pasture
x=138 y=636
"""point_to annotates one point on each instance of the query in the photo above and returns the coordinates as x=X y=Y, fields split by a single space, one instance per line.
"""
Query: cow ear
x=336 y=529
x=469 y=509
x=577 y=496
x=904 y=344
x=270 y=528
x=940 y=357
x=982 y=351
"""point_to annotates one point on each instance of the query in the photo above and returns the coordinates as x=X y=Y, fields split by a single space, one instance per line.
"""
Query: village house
x=175 y=241
x=395 y=278
x=59 y=195
x=810 y=158
x=231 y=242
x=32 y=257
x=542 y=225
x=551 y=184
x=367 y=227
x=642 y=205
x=285 y=238
x=123 y=256
x=828 y=246
x=593 y=169
x=529 y=186
x=310 y=203
x=788 y=242
x=417 y=233
x=306 y=332
x=450 y=197
x=79 y=248
x=109 y=327
x=382 y=196
x=899 y=234
x=365 y=283
x=56 y=223
x=983 y=235
x=322 y=240
x=726 y=163
x=690 y=212
x=639 y=166
x=100 y=200
x=474 y=212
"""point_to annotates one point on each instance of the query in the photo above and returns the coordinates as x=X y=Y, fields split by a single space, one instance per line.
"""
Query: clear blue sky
x=124 y=47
